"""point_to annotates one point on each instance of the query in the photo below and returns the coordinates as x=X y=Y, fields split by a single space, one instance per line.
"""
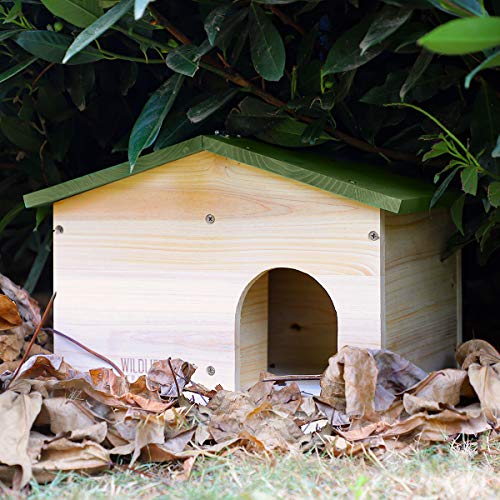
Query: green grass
x=450 y=471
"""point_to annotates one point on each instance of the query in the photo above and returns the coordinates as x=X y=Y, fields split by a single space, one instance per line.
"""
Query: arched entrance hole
x=286 y=324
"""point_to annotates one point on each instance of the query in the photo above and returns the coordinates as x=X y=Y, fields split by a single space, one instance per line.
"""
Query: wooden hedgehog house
x=243 y=257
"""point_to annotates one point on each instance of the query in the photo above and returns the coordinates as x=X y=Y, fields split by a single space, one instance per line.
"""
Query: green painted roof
x=364 y=183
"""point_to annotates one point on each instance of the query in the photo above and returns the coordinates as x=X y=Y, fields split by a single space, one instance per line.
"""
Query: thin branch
x=285 y=19
x=89 y=350
x=181 y=37
x=175 y=378
x=239 y=80
x=44 y=70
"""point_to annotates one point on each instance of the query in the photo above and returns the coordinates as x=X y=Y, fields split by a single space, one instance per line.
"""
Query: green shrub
x=139 y=75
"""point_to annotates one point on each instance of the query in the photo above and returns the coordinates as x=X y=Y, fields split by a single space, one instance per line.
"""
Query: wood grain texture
x=302 y=323
x=140 y=275
x=421 y=292
x=371 y=185
x=252 y=333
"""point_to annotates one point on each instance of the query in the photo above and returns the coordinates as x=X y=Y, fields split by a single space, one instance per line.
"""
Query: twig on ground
x=35 y=335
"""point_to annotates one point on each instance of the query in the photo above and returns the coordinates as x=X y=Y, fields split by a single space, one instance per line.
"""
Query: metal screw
x=210 y=370
x=59 y=230
x=373 y=236
x=210 y=219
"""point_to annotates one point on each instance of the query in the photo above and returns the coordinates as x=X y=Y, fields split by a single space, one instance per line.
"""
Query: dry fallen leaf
x=348 y=384
x=9 y=315
x=486 y=382
x=28 y=308
x=18 y=412
x=160 y=377
x=10 y=347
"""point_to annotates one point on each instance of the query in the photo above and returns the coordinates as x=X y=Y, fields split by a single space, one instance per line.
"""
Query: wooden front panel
x=421 y=291
x=140 y=275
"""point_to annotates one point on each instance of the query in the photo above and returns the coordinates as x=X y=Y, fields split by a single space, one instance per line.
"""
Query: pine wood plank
x=420 y=290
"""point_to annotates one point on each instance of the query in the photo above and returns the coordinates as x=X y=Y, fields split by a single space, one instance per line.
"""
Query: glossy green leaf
x=39 y=263
x=80 y=13
x=494 y=194
x=385 y=23
x=253 y=116
x=231 y=30
x=496 y=152
x=491 y=61
x=185 y=59
x=41 y=215
x=205 y=108
x=460 y=7
x=176 y=127
x=290 y=133
x=442 y=188
x=147 y=126
x=80 y=82
x=266 y=44
x=97 y=28
x=5 y=35
x=128 y=77
x=345 y=53
x=314 y=131
x=215 y=20
x=469 y=177
x=485 y=120
x=421 y=63
x=438 y=149
x=51 y=47
x=306 y=48
x=140 y=8
x=21 y=134
x=14 y=11
x=10 y=216
x=17 y=68
x=463 y=36
x=456 y=211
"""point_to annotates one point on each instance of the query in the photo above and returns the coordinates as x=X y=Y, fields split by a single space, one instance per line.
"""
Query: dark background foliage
x=302 y=74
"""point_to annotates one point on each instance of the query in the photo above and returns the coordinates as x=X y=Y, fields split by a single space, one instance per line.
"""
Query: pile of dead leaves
x=54 y=418
x=19 y=314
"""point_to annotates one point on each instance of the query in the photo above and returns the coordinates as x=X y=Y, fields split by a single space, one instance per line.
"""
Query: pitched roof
x=364 y=183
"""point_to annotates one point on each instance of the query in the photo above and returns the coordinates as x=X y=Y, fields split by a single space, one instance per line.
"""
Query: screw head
x=373 y=236
x=59 y=230
x=210 y=218
x=211 y=370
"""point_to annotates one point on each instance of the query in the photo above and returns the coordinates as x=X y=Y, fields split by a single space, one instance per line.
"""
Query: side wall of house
x=141 y=275
x=422 y=292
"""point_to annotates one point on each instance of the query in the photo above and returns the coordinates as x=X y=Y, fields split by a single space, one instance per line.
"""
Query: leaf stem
x=142 y=39
x=113 y=55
